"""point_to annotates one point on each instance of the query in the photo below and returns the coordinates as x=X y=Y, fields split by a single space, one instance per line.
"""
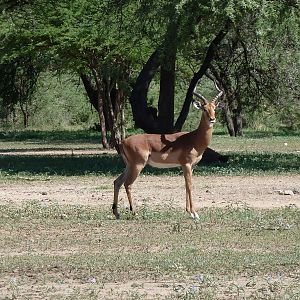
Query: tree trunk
x=123 y=129
x=111 y=101
x=210 y=54
x=238 y=122
x=25 y=114
x=166 y=98
x=233 y=116
x=90 y=90
x=167 y=80
x=145 y=117
x=112 y=107
x=228 y=121
x=105 y=144
x=100 y=108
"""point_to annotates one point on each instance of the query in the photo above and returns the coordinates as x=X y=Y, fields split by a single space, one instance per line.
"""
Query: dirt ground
x=209 y=191
x=157 y=191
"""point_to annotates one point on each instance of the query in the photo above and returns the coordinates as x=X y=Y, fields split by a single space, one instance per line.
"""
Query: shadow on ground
x=111 y=164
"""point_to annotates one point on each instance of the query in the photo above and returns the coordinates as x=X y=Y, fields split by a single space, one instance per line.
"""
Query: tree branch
x=138 y=99
x=197 y=76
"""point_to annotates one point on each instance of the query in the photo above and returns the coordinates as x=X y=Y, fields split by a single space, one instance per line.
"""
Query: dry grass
x=79 y=252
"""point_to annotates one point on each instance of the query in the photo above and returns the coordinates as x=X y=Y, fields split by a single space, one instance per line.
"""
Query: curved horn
x=219 y=90
x=198 y=94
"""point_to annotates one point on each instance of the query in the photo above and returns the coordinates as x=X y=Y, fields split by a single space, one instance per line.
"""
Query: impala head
x=207 y=107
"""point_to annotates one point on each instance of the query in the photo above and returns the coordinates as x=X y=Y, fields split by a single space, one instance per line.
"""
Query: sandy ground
x=209 y=191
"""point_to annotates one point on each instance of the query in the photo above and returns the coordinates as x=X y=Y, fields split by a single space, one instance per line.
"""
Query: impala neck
x=204 y=132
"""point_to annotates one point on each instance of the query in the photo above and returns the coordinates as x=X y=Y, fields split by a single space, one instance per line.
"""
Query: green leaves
x=78 y=34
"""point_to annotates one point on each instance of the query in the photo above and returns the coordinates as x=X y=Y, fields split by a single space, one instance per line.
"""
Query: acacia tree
x=198 y=33
x=17 y=85
x=106 y=42
x=249 y=62
x=80 y=36
x=86 y=41
x=184 y=25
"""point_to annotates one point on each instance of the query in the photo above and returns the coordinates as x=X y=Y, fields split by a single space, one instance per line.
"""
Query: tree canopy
x=250 y=46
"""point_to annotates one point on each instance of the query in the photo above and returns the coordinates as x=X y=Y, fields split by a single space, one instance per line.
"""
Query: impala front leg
x=187 y=172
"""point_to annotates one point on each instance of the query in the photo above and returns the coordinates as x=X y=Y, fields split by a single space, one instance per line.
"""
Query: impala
x=183 y=149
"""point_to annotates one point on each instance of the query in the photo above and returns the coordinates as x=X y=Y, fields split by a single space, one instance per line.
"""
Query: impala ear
x=197 y=104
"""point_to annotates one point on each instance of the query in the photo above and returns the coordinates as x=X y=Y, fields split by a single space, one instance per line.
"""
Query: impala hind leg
x=132 y=175
x=187 y=202
x=117 y=185
x=187 y=172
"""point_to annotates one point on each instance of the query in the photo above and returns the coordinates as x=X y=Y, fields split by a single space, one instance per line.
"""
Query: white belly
x=162 y=165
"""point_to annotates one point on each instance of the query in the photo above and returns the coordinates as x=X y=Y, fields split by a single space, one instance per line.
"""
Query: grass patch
x=252 y=143
x=265 y=153
x=62 y=136
x=72 y=245
x=111 y=164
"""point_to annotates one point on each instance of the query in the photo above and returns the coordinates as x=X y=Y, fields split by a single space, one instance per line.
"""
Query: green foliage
x=58 y=103
x=79 y=35
x=48 y=137
x=18 y=84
